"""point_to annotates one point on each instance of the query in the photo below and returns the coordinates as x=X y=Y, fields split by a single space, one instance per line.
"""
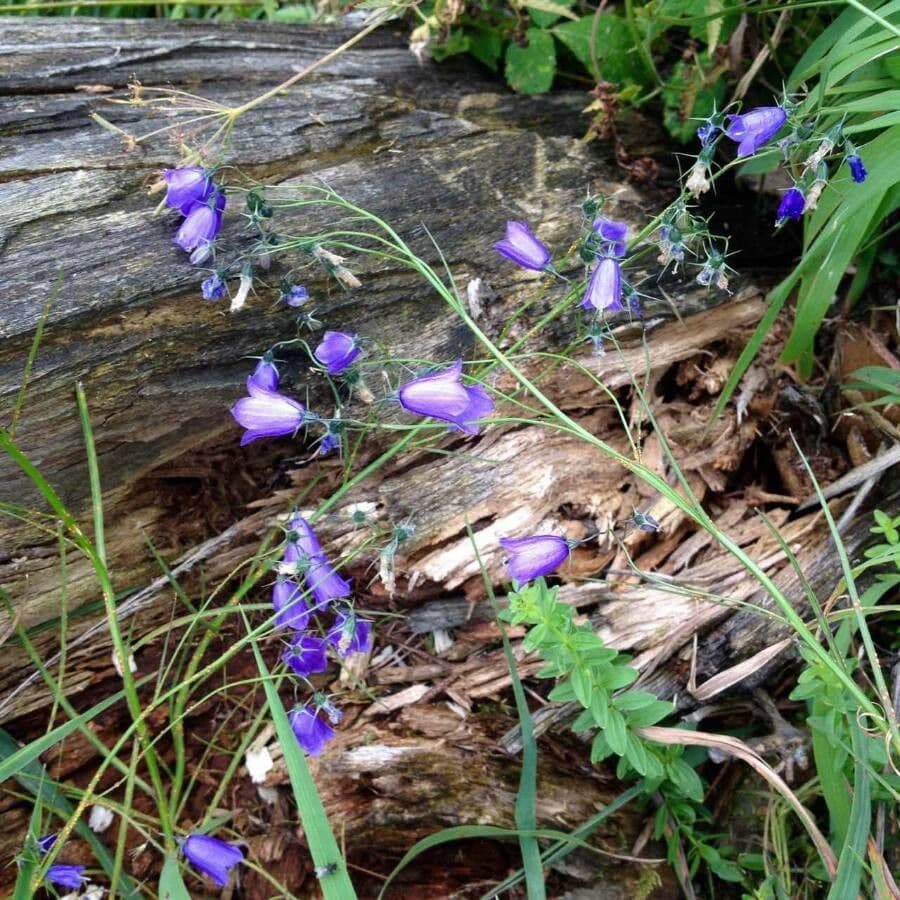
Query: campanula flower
x=306 y=655
x=792 y=205
x=753 y=129
x=706 y=132
x=265 y=376
x=521 y=246
x=337 y=351
x=287 y=599
x=66 y=876
x=187 y=186
x=310 y=728
x=324 y=582
x=45 y=843
x=213 y=287
x=329 y=441
x=532 y=557
x=295 y=295
x=857 y=169
x=613 y=234
x=604 y=288
x=202 y=223
x=302 y=542
x=267 y=414
x=442 y=395
x=211 y=856
x=350 y=634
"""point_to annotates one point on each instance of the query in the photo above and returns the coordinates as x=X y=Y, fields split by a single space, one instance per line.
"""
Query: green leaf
x=616 y=57
x=600 y=749
x=171 y=884
x=296 y=13
x=616 y=732
x=632 y=700
x=685 y=779
x=581 y=685
x=545 y=12
x=530 y=69
x=486 y=46
x=650 y=715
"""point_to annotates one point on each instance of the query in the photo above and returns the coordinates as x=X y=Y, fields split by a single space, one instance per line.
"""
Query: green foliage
x=530 y=68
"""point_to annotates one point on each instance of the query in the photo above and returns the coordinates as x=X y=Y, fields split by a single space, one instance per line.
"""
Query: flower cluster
x=805 y=152
x=193 y=193
x=305 y=572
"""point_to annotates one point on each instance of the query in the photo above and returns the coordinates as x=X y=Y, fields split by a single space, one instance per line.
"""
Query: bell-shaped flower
x=307 y=655
x=211 y=856
x=202 y=223
x=792 y=205
x=267 y=414
x=213 y=288
x=187 y=186
x=310 y=728
x=857 y=169
x=302 y=543
x=613 y=235
x=753 y=129
x=350 y=634
x=265 y=376
x=324 y=583
x=66 y=876
x=442 y=395
x=45 y=843
x=532 y=557
x=521 y=246
x=604 y=288
x=290 y=607
x=337 y=351
x=295 y=295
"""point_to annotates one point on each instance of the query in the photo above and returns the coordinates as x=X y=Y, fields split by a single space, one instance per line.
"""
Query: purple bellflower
x=187 y=186
x=290 y=607
x=792 y=205
x=753 y=129
x=337 y=351
x=201 y=224
x=604 y=289
x=350 y=634
x=302 y=541
x=857 y=169
x=324 y=582
x=213 y=288
x=265 y=376
x=521 y=246
x=66 y=876
x=211 y=856
x=442 y=395
x=295 y=295
x=267 y=414
x=310 y=728
x=532 y=557
x=306 y=655
x=613 y=234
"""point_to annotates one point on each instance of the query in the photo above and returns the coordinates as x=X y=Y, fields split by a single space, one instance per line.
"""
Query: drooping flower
x=613 y=234
x=521 y=246
x=267 y=414
x=212 y=857
x=857 y=169
x=532 y=557
x=187 y=186
x=302 y=543
x=697 y=183
x=306 y=655
x=604 y=289
x=45 y=843
x=202 y=223
x=442 y=395
x=350 y=634
x=337 y=351
x=753 y=129
x=295 y=295
x=310 y=728
x=792 y=205
x=291 y=609
x=265 y=376
x=213 y=287
x=324 y=582
x=66 y=876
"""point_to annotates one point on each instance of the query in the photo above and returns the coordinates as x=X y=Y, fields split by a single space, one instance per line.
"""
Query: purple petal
x=66 y=876
x=265 y=375
x=302 y=544
x=753 y=129
x=307 y=655
x=310 y=729
x=350 y=634
x=267 y=414
x=441 y=395
x=604 y=289
x=211 y=856
x=187 y=186
x=521 y=246
x=337 y=351
x=324 y=582
x=531 y=557
x=291 y=609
